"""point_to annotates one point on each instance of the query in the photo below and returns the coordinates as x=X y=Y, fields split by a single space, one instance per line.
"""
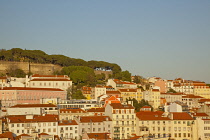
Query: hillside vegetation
x=79 y=70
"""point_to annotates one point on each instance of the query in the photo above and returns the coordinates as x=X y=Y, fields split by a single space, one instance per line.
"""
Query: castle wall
x=35 y=68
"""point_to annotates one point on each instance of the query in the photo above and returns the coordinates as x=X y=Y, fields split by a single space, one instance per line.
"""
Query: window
x=54 y=129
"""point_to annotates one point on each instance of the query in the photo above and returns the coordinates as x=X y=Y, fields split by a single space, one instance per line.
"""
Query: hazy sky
x=165 y=38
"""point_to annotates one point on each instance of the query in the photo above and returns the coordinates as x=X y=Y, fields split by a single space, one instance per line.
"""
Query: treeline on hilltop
x=38 y=56
x=80 y=71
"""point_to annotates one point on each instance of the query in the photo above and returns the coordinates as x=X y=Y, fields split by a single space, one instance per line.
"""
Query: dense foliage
x=140 y=104
x=80 y=71
x=38 y=56
x=171 y=91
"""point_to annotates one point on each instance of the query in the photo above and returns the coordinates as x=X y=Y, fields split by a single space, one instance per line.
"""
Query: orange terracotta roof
x=200 y=115
x=72 y=110
x=36 y=118
x=32 y=105
x=87 y=119
x=68 y=122
x=204 y=100
x=181 y=116
x=146 y=106
x=28 y=88
x=96 y=110
x=155 y=90
x=117 y=81
x=135 y=137
x=128 y=83
x=7 y=135
x=120 y=106
x=142 y=115
x=98 y=136
x=178 y=93
x=43 y=134
x=191 y=96
x=50 y=79
x=84 y=88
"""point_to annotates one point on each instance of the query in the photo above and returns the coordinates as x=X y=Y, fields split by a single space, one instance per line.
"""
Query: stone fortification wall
x=35 y=68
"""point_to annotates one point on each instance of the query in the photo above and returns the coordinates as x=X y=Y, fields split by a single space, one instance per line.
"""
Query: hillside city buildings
x=37 y=108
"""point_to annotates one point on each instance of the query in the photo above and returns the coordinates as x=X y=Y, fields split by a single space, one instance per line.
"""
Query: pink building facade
x=162 y=84
x=10 y=96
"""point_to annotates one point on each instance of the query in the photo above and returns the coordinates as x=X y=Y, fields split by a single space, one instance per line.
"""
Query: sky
x=163 y=38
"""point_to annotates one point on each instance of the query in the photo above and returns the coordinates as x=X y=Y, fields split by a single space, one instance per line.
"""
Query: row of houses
x=114 y=121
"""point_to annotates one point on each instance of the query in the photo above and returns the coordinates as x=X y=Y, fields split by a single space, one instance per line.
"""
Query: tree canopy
x=140 y=104
x=171 y=91
x=38 y=56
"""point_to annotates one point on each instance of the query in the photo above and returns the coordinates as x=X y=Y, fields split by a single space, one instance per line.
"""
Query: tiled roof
x=50 y=79
x=43 y=134
x=120 y=106
x=142 y=115
x=191 y=96
x=7 y=135
x=96 y=110
x=135 y=137
x=146 y=106
x=72 y=110
x=117 y=81
x=84 y=88
x=36 y=118
x=156 y=90
x=98 y=136
x=178 y=93
x=28 y=88
x=32 y=105
x=87 y=119
x=200 y=115
x=128 y=83
x=68 y=122
x=204 y=100
x=181 y=116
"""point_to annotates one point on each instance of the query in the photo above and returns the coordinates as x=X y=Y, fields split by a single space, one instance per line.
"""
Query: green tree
x=171 y=91
x=19 y=73
x=78 y=95
x=140 y=104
